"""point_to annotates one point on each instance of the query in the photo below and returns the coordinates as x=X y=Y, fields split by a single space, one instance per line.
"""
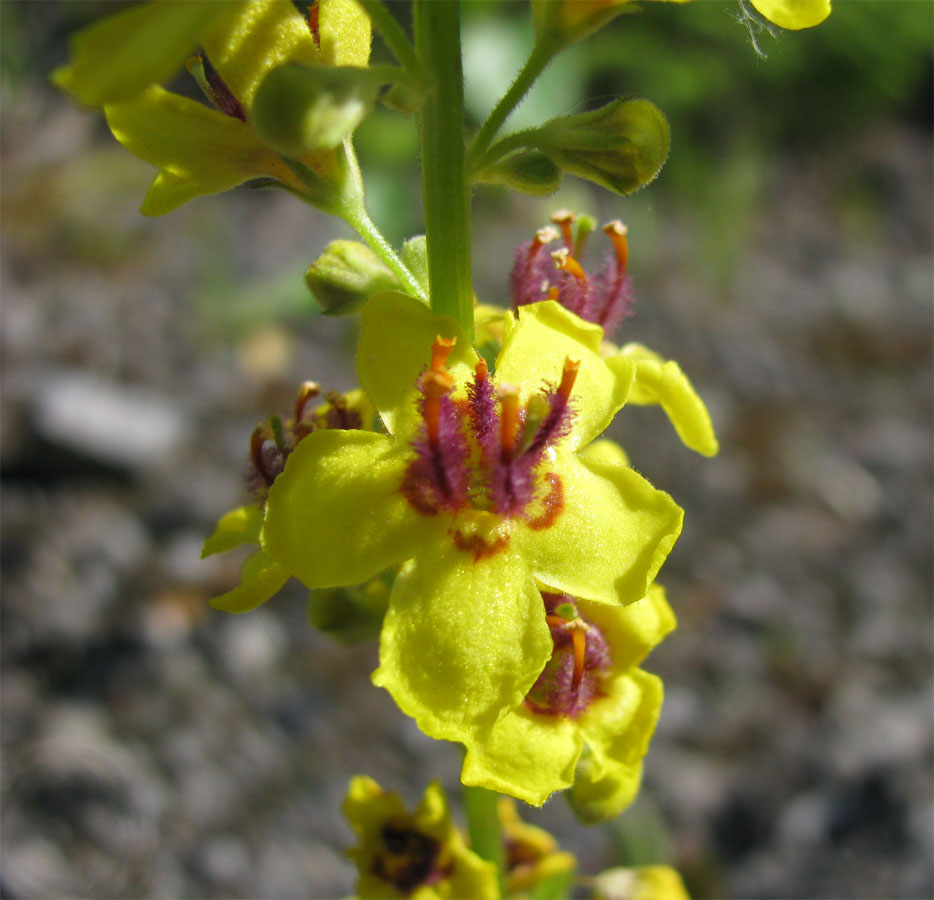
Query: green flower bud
x=621 y=146
x=300 y=109
x=346 y=275
x=350 y=615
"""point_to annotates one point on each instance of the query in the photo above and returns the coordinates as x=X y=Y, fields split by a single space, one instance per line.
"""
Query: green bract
x=120 y=63
x=465 y=635
x=420 y=855
x=531 y=755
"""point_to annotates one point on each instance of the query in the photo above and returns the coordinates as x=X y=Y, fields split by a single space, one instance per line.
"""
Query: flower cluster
x=524 y=551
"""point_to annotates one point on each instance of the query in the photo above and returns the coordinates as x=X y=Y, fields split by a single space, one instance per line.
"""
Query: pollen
x=616 y=231
x=564 y=260
x=568 y=377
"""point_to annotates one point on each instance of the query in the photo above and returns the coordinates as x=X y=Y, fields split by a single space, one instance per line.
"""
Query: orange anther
x=563 y=218
x=616 y=231
x=308 y=391
x=553 y=293
x=543 y=236
x=259 y=437
x=509 y=419
x=579 y=639
x=482 y=369
x=568 y=377
x=440 y=351
x=564 y=260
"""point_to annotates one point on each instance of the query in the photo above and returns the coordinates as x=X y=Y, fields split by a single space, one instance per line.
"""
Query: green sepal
x=235 y=528
x=620 y=146
x=346 y=275
x=350 y=615
x=528 y=171
x=299 y=109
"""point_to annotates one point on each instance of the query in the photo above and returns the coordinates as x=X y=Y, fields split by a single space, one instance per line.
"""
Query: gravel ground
x=155 y=748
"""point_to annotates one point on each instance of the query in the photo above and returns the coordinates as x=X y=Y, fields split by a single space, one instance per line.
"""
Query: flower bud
x=620 y=146
x=350 y=615
x=299 y=109
x=346 y=275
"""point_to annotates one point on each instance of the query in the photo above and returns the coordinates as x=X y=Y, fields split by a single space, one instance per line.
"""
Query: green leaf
x=620 y=146
x=299 y=109
x=346 y=275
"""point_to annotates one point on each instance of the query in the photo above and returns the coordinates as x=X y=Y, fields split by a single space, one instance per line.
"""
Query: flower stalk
x=444 y=187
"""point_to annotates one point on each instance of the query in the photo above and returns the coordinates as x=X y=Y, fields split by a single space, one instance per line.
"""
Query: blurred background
x=155 y=748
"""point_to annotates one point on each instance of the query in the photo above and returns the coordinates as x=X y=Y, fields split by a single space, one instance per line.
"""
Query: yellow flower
x=420 y=855
x=120 y=63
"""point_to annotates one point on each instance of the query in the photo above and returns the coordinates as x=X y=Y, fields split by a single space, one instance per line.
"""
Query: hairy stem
x=444 y=187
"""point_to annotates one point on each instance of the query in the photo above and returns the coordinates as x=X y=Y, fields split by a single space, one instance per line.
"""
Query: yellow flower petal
x=345 y=34
x=254 y=38
x=463 y=640
x=203 y=149
x=534 y=351
x=335 y=515
x=664 y=383
x=260 y=578
x=794 y=14
x=611 y=537
x=119 y=57
x=525 y=755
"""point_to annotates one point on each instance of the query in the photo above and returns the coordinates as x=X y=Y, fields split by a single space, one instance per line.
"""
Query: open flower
x=640 y=883
x=589 y=695
x=421 y=855
x=270 y=445
x=120 y=63
x=479 y=490
x=532 y=856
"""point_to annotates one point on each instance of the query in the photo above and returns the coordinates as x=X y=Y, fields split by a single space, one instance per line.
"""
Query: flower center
x=572 y=679
x=487 y=452
x=407 y=858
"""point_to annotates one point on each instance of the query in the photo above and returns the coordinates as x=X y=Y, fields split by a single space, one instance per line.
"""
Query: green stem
x=542 y=54
x=444 y=188
x=360 y=221
x=483 y=828
x=396 y=39
x=344 y=198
